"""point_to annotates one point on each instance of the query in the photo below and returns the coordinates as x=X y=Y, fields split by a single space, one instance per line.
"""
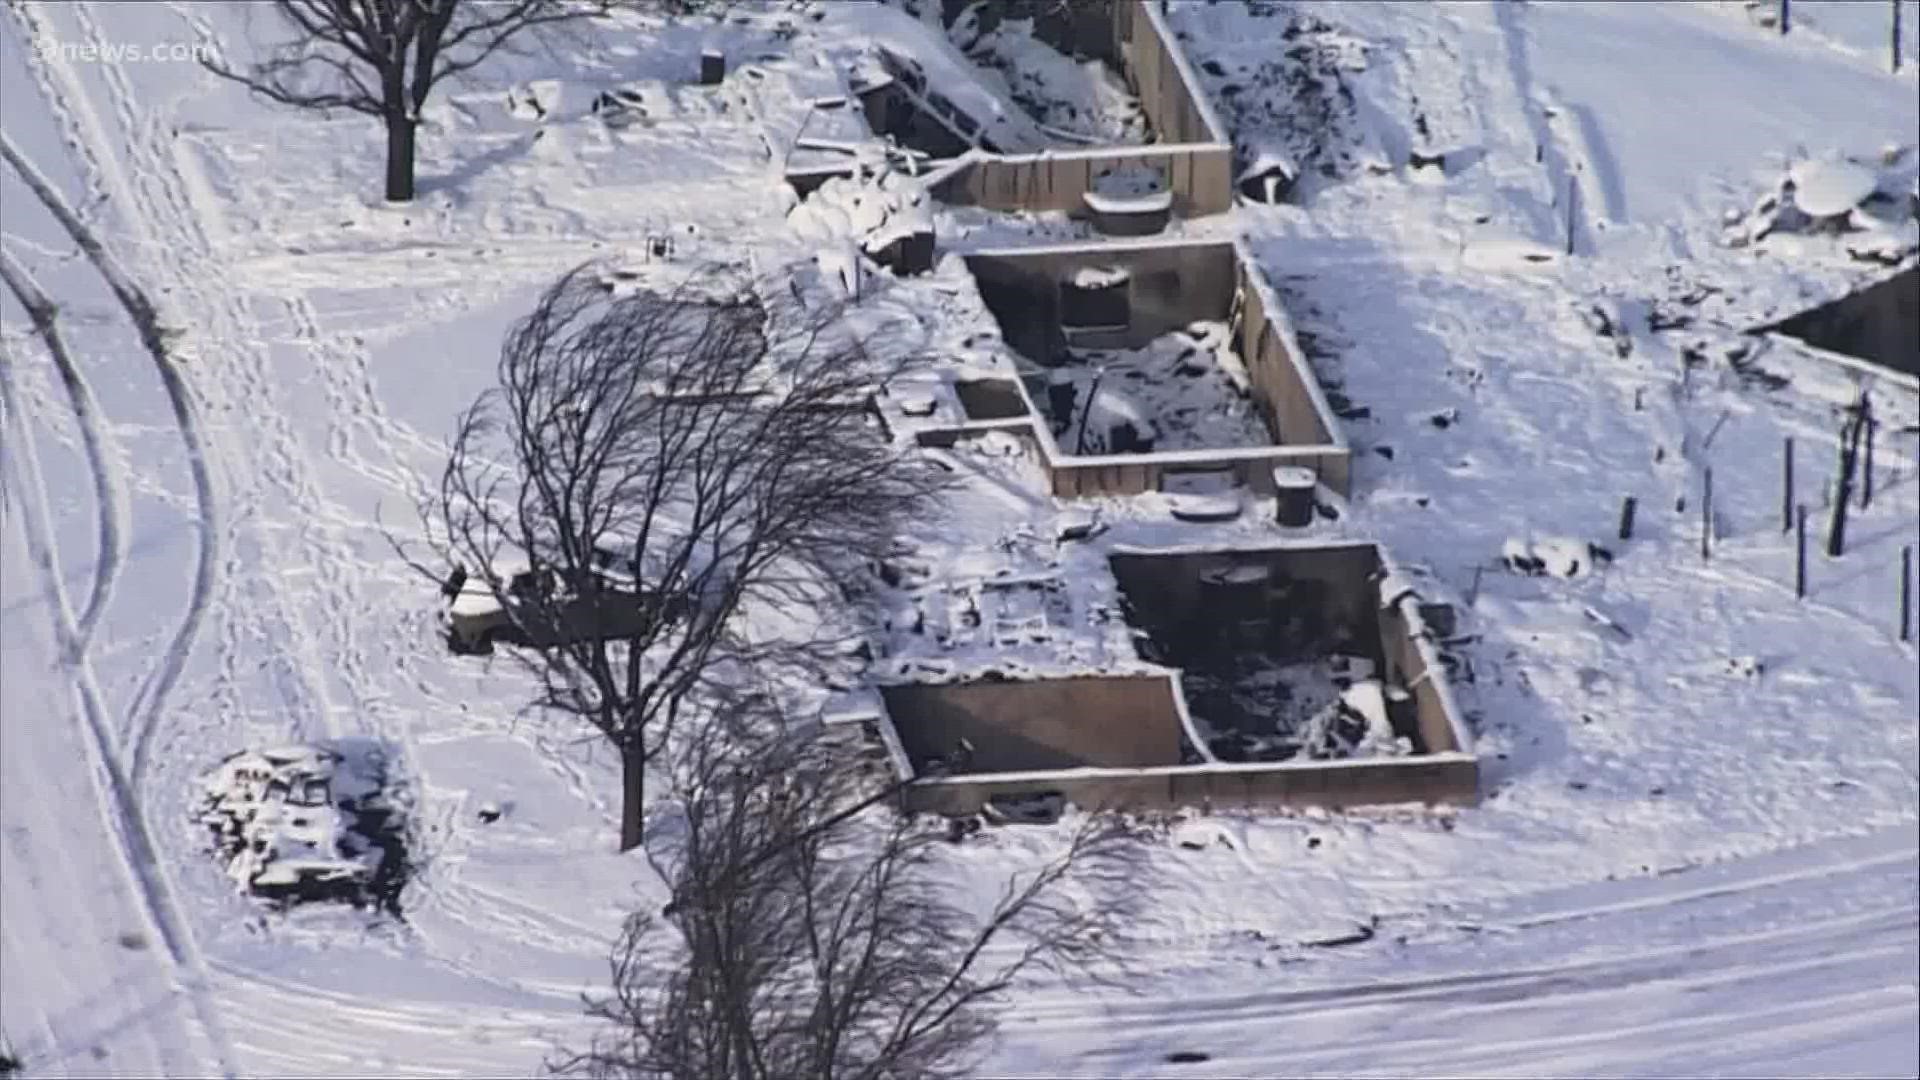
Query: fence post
x=1895 y=37
x=1786 y=16
x=1800 y=554
x=1572 y=194
x=1906 y=593
x=1706 y=517
x=1843 y=494
x=1626 y=517
x=1866 y=477
x=1786 y=489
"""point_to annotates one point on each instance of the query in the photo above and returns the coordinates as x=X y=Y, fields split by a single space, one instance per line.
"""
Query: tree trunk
x=633 y=783
x=399 y=159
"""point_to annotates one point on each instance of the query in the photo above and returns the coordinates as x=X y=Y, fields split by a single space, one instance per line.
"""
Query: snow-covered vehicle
x=613 y=605
x=292 y=819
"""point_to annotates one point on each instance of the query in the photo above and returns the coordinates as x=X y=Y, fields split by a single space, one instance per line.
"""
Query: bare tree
x=384 y=57
x=815 y=943
x=650 y=464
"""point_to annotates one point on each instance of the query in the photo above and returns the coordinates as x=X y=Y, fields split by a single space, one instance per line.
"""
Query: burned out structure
x=1141 y=366
x=1205 y=667
x=976 y=153
x=1290 y=674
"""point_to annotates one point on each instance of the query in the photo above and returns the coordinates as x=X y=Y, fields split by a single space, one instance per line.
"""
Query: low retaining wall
x=1096 y=720
x=1199 y=175
x=1134 y=474
x=1445 y=779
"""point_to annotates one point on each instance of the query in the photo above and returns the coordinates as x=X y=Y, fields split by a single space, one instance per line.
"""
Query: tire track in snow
x=299 y=1024
x=1455 y=1026
x=346 y=381
x=226 y=347
x=1508 y=96
x=79 y=123
x=113 y=786
x=109 y=490
x=1494 y=987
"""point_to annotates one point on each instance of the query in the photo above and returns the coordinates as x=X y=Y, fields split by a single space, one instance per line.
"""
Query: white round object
x=1294 y=477
x=1824 y=188
x=1224 y=506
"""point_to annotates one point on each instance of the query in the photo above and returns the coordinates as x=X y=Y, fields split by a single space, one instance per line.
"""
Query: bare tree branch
x=827 y=952
x=650 y=465
x=383 y=58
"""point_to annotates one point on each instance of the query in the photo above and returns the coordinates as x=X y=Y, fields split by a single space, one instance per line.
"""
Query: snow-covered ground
x=1697 y=847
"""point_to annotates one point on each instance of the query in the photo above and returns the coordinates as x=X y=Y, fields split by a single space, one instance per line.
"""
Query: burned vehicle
x=298 y=821
x=539 y=607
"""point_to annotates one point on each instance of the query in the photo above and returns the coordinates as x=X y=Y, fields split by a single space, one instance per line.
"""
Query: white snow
x=1100 y=277
x=874 y=209
x=1694 y=853
x=1827 y=186
x=1081 y=102
x=1149 y=203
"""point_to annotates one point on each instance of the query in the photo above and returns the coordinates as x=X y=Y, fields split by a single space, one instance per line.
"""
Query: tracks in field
x=61 y=88
x=296 y=587
x=220 y=371
x=114 y=769
x=109 y=486
x=1840 y=937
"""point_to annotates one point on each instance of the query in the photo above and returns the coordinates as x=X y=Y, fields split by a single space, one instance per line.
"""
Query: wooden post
x=1786 y=16
x=1894 y=38
x=1907 y=592
x=1849 y=461
x=1706 y=517
x=1626 y=518
x=1786 y=488
x=1800 y=555
x=1572 y=192
x=1866 y=474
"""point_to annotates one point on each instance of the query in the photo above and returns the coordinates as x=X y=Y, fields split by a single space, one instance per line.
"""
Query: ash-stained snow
x=1186 y=390
x=1699 y=809
x=1082 y=100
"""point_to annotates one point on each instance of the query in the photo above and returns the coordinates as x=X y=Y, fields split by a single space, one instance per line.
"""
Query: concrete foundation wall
x=1191 y=149
x=1200 y=178
x=1165 y=588
x=1170 y=94
x=1452 y=780
x=1436 y=724
x=1274 y=362
x=1109 y=721
x=1079 y=477
x=1170 y=287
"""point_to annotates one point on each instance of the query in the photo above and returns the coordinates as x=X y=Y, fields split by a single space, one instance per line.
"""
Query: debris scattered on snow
x=873 y=209
x=1268 y=178
x=1553 y=557
x=305 y=822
